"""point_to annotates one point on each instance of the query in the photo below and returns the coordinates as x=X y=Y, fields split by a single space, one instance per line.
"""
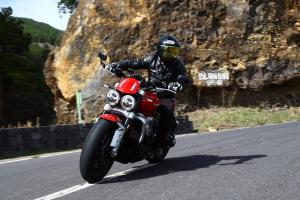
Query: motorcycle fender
x=110 y=117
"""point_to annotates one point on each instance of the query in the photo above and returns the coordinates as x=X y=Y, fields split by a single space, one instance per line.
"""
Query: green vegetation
x=36 y=50
x=226 y=118
x=41 y=32
x=67 y=5
x=12 y=39
x=23 y=93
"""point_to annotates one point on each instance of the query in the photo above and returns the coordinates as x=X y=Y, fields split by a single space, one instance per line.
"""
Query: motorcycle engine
x=152 y=125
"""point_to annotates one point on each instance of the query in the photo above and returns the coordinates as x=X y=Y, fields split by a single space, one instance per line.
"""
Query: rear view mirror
x=102 y=56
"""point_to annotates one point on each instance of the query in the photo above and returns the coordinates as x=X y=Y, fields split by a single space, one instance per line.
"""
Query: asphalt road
x=255 y=163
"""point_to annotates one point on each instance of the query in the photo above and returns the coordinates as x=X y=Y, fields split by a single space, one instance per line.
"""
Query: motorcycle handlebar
x=165 y=89
x=132 y=74
x=156 y=88
x=108 y=71
x=103 y=57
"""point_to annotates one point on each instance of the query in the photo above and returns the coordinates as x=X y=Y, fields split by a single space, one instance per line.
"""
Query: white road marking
x=65 y=192
x=19 y=159
x=188 y=134
x=37 y=156
x=86 y=185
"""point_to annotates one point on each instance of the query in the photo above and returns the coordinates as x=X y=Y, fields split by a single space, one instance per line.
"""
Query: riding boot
x=171 y=140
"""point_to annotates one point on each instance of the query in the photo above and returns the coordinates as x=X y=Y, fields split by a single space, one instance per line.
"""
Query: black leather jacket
x=158 y=70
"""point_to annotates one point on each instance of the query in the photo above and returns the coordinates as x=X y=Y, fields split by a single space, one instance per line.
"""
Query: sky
x=40 y=10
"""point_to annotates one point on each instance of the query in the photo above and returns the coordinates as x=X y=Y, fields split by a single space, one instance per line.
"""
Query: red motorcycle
x=126 y=130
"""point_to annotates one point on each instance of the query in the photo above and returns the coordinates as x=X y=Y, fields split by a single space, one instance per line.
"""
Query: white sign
x=213 y=77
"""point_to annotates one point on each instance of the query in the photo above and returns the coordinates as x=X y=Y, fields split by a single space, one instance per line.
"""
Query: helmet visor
x=169 y=51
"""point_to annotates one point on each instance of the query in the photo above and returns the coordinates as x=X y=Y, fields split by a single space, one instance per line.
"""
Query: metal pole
x=79 y=104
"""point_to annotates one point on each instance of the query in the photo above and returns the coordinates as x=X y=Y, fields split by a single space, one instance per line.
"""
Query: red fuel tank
x=149 y=103
x=129 y=86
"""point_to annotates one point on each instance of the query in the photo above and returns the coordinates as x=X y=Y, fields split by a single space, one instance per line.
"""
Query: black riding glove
x=175 y=86
x=157 y=83
x=114 y=69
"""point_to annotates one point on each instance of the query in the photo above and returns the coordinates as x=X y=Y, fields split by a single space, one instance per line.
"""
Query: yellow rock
x=212 y=63
x=129 y=29
x=234 y=61
x=241 y=65
x=238 y=64
x=261 y=61
x=211 y=129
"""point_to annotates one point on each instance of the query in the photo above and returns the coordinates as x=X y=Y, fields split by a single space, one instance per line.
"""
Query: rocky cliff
x=256 y=42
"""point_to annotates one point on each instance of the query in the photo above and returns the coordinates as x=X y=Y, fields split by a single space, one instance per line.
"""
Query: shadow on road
x=179 y=164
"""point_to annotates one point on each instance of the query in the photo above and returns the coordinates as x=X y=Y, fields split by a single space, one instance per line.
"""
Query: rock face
x=256 y=41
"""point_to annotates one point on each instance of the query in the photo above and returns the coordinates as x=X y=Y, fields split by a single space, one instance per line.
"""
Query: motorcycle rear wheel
x=95 y=158
x=158 y=158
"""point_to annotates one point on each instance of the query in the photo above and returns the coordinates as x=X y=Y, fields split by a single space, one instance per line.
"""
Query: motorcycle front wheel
x=95 y=158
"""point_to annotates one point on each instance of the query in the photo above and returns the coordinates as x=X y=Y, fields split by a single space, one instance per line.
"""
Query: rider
x=164 y=70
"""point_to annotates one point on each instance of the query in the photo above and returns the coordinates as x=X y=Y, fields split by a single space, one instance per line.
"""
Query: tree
x=67 y=6
x=12 y=39
x=23 y=92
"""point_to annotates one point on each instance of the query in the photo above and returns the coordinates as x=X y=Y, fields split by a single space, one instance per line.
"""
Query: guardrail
x=26 y=141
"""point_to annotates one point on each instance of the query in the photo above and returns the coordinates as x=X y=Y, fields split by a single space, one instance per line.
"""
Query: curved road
x=253 y=163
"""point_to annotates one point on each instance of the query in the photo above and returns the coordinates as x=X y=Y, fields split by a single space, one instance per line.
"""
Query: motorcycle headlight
x=112 y=97
x=127 y=102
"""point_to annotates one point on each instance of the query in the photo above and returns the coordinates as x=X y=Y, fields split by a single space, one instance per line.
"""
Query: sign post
x=79 y=105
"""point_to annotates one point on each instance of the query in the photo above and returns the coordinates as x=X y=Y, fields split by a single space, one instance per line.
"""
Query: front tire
x=95 y=158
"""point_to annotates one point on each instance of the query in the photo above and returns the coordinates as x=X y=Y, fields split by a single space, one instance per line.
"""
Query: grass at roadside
x=225 y=118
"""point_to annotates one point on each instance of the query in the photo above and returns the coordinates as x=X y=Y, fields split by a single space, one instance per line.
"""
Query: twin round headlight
x=127 y=101
x=112 y=97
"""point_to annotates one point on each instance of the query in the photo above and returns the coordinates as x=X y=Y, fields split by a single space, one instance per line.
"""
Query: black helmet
x=168 y=47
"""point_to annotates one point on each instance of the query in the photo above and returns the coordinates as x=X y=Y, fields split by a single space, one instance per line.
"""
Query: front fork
x=120 y=132
x=118 y=136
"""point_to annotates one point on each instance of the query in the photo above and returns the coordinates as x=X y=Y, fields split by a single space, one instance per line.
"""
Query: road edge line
x=82 y=186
